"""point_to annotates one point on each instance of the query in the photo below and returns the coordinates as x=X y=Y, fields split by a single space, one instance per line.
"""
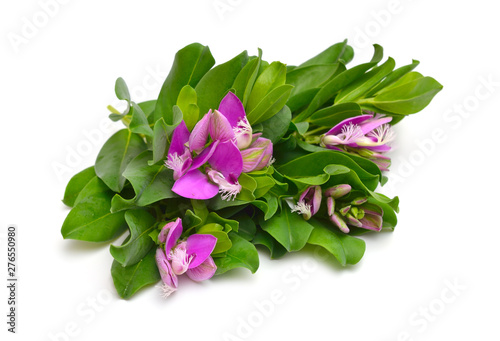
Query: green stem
x=312 y=132
x=113 y=110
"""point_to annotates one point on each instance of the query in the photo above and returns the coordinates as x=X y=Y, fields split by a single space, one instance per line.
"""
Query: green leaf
x=217 y=82
x=150 y=183
x=128 y=280
x=244 y=82
x=264 y=184
x=267 y=204
x=187 y=103
x=331 y=116
x=364 y=163
x=94 y=187
x=270 y=105
x=362 y=85
x=408 y=98
x=115 y=155
x=310 y=77
x=241 y=254
x=138 y=244
x=347 y=249
x=271 y=78
x=122 y=93
x=289 y=229
x=335 y=53
x=76 y=184
x=91 y=220
x=393 y=77
x=121 y=90
x=302 y=99
x=190 y=64
x=275 y=127
x=139 y=123
x=247 y=227
x=315 y=164
x=275 y=248
x=148 y=107
x=229 y=224
x=338 y=83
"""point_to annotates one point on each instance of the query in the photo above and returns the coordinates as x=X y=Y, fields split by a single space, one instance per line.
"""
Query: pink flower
x=191 y=256
x=367 y=135
x=221 y=146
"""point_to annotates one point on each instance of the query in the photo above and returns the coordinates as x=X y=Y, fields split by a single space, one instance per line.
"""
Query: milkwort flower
x=175 y=257
x=309 y=202
x=366 y=135
x=202 y=170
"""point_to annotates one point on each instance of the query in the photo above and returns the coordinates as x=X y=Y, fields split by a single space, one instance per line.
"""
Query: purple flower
x=367 y=135
x=175 y=257
x=309 y=202
x=208 y=160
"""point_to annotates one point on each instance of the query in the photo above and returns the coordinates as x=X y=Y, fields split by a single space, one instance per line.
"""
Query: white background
x=434 y=278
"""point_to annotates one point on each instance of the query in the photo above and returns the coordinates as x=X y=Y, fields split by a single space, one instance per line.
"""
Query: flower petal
x=374 y=123
x=195 y=185
x=166 y=273
x=174 y=232
x=179 y=138
x=199 y=135
x=203 y=271
x=206 y=154
x=227 y=159
x=232 y=108
x=200 y=246
x=220 y=128
x=354 y=120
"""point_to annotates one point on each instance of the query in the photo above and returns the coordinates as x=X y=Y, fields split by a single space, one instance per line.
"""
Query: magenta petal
x=203 y=271
x=199 y=135
x=179 y=138
x=374 y=123
x=162 y=237
x=227 y=159
x=206 y=154
x=232 y=108
x=381 y=149
x=200 y=246
x=220 y=128
x=195 y=185
x=174 y=232
x=354 y=120
x=167 y=275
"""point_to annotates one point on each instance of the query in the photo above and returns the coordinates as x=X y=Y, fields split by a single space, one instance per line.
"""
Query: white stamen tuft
x=384 y=134
x=302 y=208
x=174 y=162
x=350 y=132
x=165 y=290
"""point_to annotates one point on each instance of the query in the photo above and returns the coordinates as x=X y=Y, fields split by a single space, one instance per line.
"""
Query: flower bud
x=257 y=156
x=344 y=210
x=339 y=222
x=359 y=201
x=338 y=191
